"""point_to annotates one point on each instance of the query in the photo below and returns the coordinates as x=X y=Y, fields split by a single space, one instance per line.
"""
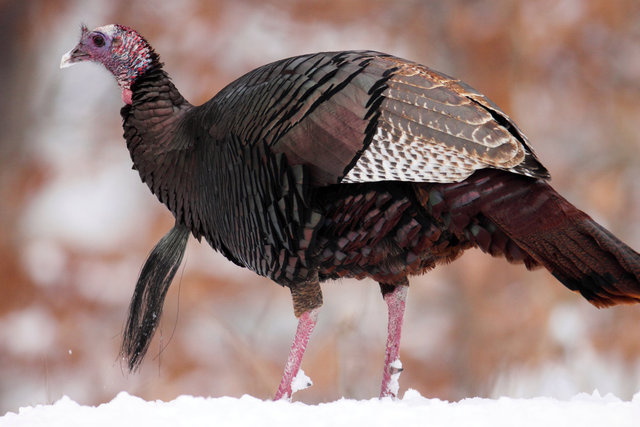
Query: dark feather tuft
x=146 y=304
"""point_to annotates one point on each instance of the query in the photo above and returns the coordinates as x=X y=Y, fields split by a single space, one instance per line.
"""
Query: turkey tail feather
x=146 y=304
x=587 y=258
x=579 y=252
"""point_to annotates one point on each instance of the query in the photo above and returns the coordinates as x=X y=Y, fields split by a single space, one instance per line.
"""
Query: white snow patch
x=394 y=384
x=583 y=410
x=300 y=382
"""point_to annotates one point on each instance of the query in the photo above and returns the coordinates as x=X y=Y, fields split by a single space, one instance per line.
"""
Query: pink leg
x=306 y=323
x=392 y=367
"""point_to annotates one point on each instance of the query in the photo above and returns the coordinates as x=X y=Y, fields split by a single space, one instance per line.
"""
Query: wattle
x=126 y=96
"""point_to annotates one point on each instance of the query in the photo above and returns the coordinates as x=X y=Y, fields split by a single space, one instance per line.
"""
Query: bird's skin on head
x=124 y=52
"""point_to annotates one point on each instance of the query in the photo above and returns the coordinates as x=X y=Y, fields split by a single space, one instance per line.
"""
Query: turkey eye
x=98 y=41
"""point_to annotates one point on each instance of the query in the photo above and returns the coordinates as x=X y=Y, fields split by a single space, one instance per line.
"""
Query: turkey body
x=359 y=164
x=276 y=172
x=259 y=170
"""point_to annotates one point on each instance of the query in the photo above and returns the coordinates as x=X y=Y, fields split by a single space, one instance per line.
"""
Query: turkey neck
x=152 y=126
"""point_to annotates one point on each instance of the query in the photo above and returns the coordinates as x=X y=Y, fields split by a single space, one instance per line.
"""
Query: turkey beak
x=73 y=56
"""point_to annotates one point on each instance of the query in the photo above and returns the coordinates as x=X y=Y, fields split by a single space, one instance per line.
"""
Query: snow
x=394 y=385
x=300 y=381
x=583 y=410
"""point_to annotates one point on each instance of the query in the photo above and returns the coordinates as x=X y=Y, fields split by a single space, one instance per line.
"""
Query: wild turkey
x=343 y=164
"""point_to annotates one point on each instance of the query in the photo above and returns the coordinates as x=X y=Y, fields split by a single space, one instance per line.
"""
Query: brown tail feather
x=579 y=252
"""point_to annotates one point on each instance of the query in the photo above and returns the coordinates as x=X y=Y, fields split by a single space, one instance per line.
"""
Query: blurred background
x=76 y=224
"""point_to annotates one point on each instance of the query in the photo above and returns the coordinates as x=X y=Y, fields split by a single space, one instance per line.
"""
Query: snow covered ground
x=583 y=410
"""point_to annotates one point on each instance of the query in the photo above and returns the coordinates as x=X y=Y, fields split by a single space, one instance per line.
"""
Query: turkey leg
x=395 y=296
x=306 y=323
x=307 y=300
